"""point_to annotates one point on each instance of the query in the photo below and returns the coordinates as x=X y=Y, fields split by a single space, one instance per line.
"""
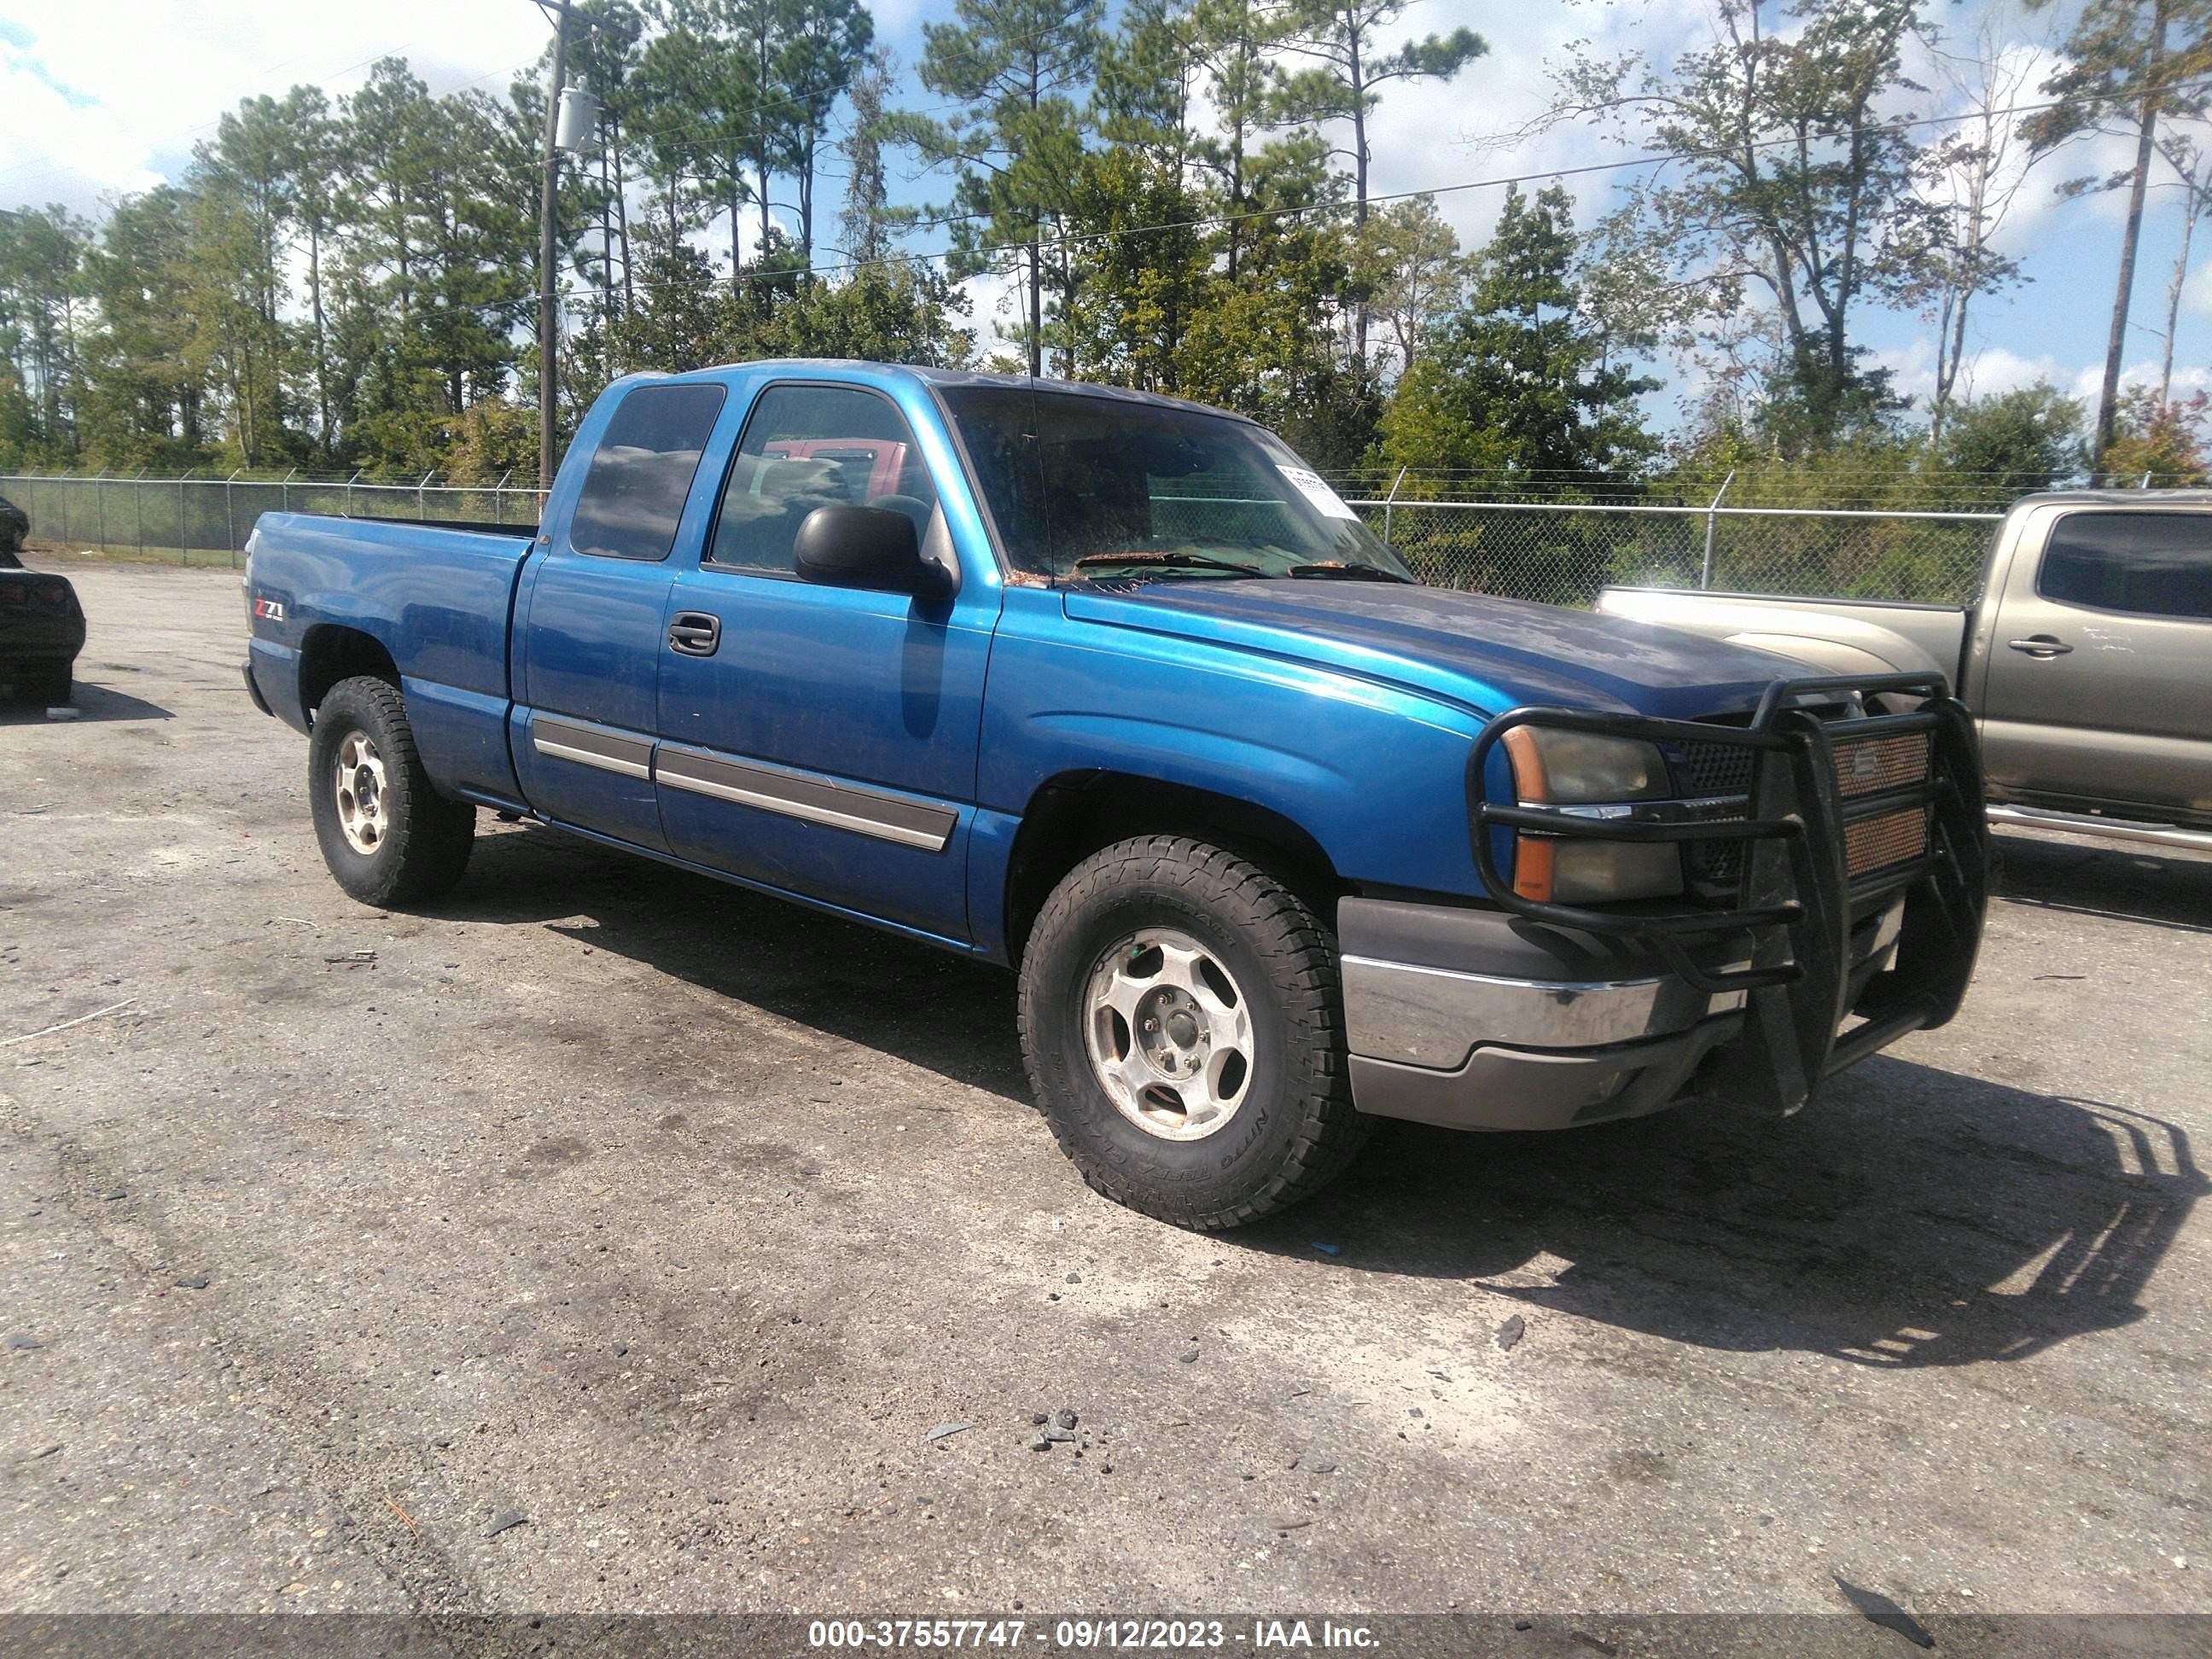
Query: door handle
x=2041 y=644
x=695 y=632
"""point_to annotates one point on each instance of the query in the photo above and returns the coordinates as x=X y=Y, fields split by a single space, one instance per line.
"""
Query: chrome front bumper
x=1474 y=1020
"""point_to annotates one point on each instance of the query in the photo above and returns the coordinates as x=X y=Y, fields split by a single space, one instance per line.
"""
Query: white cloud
x=2187 y=378
x=147 y=79
x=1430 y=134
x=994 y=311
x=2196 y=292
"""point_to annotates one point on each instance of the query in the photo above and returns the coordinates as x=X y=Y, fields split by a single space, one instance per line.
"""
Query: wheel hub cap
x=1169 y=1034
x=359 y=787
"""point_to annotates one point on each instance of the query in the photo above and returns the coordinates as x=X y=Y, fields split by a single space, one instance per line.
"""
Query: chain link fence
x=206 y=520
x=1554 y=552
x=1562 y=553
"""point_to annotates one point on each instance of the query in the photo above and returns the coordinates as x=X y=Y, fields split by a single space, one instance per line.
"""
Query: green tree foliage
x=2128 y=63
x=143 y=402
x=864 y=226
x=1792 y=177
x=829 y=41
x=2161 y=438
x=696 y=93
x=2014 y=441
x=1343 y=80
x=892 y=312
x=603 y=56
x=1019 y=73
x=1411 y=266
x=1516 y=380
x=1234 y=48
x=1516 y=388
x=43 y=295
x=1176 y=192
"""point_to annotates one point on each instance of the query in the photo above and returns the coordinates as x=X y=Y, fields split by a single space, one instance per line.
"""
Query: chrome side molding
x=799 y=795
x=600 y=747
x=805 y=795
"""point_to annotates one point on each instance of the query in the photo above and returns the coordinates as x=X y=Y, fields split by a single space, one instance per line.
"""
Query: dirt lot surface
x=675 y=1221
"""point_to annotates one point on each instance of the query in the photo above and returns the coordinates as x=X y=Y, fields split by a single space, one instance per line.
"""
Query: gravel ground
x=610 y=1239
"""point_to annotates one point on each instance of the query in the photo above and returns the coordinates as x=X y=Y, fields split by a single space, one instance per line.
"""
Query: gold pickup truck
x=2086 y=657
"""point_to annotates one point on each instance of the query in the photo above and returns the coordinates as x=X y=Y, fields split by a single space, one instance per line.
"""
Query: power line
x=1651 y=158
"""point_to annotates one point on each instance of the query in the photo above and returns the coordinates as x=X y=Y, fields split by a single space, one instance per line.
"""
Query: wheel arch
x=331 y=651
x=1073 y=814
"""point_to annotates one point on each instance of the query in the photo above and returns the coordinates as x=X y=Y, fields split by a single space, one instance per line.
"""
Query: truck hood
x=1483 y=653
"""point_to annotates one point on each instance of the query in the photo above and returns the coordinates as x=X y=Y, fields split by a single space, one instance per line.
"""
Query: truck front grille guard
x=1796 y=896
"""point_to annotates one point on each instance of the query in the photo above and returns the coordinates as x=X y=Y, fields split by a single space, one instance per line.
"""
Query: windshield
x=1092 y=487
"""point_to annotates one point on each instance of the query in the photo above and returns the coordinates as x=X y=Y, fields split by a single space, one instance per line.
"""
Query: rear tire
x=388 y=837
x=1183 y=1029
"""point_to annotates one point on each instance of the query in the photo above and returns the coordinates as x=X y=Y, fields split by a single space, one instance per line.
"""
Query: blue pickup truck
x=1116 y=692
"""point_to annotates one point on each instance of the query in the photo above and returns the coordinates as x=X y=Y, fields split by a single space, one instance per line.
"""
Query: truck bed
x=437 y=599
x=1841 y=636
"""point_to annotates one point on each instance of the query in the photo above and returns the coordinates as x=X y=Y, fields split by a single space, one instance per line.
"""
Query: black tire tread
x=1298 y=950
x=431 y=841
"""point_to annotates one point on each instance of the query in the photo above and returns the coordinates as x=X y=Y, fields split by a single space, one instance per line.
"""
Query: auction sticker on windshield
x=1315 y=489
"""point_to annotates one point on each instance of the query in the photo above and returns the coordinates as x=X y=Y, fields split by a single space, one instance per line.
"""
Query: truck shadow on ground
x=2089 y=878
x=92 y=702
x=927 y=1006
x=1910 y=1216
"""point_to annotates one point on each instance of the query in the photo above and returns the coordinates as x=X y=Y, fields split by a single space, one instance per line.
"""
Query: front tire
x=42 y=686
x=1183 y=1030
x=387 y=835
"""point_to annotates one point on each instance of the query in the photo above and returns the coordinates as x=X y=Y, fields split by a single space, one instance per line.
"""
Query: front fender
x=1373 y=773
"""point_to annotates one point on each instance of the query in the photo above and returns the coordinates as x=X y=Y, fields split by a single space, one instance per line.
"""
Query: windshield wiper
x=1347 y=573
x=1176 y=560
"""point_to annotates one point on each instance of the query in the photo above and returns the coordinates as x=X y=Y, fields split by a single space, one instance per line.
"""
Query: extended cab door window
x=634 y=495
x=2099 y=689
x=594 y=634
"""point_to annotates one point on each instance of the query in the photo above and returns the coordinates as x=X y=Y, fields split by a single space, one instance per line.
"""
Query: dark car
x=41 y=624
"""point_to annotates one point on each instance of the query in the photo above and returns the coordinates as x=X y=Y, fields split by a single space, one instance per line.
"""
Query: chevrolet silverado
x=1116 y=692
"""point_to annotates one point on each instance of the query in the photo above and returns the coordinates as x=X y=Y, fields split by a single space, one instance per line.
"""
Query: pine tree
x=1518 y=381
x=828 y=42
x=2131 y=63
x=1019 y=69
x=1343 y=80
x=864 y=227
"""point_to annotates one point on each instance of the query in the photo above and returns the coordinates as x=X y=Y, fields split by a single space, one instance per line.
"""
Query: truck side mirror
x=869 y=547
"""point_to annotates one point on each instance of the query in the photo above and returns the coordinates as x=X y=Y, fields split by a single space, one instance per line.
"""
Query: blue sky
x=107 y=96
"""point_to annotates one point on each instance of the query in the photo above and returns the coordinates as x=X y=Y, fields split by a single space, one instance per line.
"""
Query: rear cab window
x=632 y=495
x=2143 y=564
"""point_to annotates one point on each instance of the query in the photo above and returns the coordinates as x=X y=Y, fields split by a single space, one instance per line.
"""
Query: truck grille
x=1874 y=844
x=1873 y=766
x=1712 y=768
x=1704 y=771
x=1869 y=766
x=1864 y=766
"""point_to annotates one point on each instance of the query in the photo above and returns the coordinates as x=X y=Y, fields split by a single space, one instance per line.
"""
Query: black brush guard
x=1796 y=900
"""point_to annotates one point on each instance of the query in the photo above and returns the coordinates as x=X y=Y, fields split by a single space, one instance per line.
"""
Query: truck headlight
x=1594 y=776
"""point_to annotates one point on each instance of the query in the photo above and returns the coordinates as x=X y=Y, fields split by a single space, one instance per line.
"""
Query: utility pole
x=548 y=315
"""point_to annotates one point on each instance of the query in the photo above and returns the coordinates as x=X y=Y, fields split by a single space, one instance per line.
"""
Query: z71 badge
x=269 y=609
